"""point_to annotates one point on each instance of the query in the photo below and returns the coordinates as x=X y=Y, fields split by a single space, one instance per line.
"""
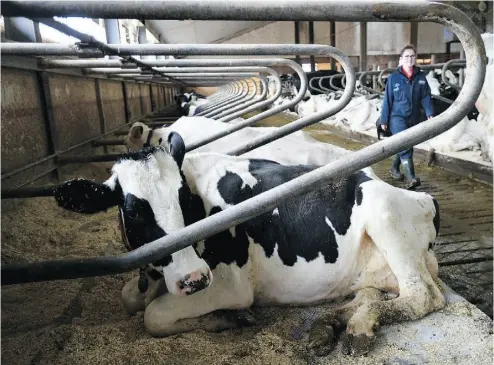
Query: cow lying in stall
x=357 y=235
x=189 y=103
x=193 y=129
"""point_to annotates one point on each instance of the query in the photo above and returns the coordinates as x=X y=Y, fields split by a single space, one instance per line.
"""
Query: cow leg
x=134 y=301
x=171 y=314
x=323 y=332
x=419 y=295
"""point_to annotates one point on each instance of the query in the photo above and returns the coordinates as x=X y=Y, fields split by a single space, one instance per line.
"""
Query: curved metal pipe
x=239 y=93
x=242 y=108
x=314 y=88
x=363 y=75
x=447 y=65
x=461 y=25
x=239 y=98
x=248 y=97
x=379 y=77
x=231 y=91
x=258 y=100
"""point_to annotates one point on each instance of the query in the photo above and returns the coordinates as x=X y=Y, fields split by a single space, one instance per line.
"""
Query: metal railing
x=444 y=14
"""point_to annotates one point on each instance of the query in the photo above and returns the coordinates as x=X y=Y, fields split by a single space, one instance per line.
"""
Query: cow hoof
x=357 y=344
x=322 y=338
x=244 y=318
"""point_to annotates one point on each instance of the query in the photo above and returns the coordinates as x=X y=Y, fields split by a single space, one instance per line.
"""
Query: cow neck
x=191 y=205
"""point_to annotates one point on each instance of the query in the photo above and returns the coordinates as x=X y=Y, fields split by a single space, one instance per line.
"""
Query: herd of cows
x=339 y=242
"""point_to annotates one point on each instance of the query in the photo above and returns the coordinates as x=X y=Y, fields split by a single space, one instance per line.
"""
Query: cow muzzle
x=194 y=282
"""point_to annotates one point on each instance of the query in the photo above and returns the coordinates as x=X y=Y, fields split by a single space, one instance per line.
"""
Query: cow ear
x=136 y=131
x=85 y=196
x=177 y=147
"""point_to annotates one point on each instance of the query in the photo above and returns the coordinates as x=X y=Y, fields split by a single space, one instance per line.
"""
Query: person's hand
x=384 y=127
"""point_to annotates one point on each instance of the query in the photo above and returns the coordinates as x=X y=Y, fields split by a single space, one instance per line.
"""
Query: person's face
x=408 y=58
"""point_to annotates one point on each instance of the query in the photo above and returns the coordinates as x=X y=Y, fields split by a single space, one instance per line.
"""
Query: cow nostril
x=181 y=287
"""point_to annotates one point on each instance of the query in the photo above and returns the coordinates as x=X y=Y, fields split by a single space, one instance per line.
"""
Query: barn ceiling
x=198 y=32
x=201 y=32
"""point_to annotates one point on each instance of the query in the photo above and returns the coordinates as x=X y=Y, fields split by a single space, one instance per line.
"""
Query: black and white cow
x=189 y=103
x=355 y=236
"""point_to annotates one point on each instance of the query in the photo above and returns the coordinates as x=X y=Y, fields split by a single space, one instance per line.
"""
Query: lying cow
x=356 y=235
x=190 y=103
x=306 y=150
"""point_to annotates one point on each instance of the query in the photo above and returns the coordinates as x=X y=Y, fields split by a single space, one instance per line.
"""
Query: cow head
x=137 y=136
x=184 y=108
x=140 y=136
x=152 y=195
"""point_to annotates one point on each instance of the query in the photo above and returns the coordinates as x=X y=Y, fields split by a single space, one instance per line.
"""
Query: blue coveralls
x=402 y=101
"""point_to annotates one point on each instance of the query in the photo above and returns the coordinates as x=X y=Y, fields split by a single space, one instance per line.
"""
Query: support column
x=462 y=70
x=142 y=39
x=297 y=38
x=363 y=46
x=374 y=78
x=414 y=31
x=332 y=42
x=311 y=41
x=112 y=33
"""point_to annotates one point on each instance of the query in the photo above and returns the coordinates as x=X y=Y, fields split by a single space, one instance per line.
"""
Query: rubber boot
x=411 y=181
x=395 y=168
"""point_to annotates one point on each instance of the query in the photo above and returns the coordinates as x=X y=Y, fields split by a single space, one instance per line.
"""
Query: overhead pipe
x=87 y=39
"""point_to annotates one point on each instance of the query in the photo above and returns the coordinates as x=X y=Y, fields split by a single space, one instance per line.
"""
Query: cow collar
x=148 y=140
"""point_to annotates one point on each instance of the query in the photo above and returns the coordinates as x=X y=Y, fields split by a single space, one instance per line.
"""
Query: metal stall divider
x=249 y=96
x=256 y=101
x=440 y=13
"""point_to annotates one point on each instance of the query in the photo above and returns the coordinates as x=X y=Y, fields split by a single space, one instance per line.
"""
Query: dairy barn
x=204 y=182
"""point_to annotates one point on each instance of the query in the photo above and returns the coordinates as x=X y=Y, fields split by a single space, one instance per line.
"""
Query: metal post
x=112 y=33
x=139 y=89
x=462 y=71
x=127 y=112
x=332 y=41
x=20 y=29
x=297 y=38
x=47 y=107
x=142 y=39
x=414 y=31
x=153 y=105
x=363 y=46
x=311 y=41
x=374 y=79
x=101 y=114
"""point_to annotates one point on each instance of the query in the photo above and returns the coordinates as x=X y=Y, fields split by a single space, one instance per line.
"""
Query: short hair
x=408 y=47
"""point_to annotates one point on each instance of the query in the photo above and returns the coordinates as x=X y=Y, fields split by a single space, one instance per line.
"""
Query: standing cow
x=356 y=235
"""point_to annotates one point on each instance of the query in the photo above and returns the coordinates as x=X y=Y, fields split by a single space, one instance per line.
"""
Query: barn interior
x=76 y=76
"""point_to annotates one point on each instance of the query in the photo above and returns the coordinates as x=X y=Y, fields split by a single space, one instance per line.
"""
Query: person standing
x=406 y=92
